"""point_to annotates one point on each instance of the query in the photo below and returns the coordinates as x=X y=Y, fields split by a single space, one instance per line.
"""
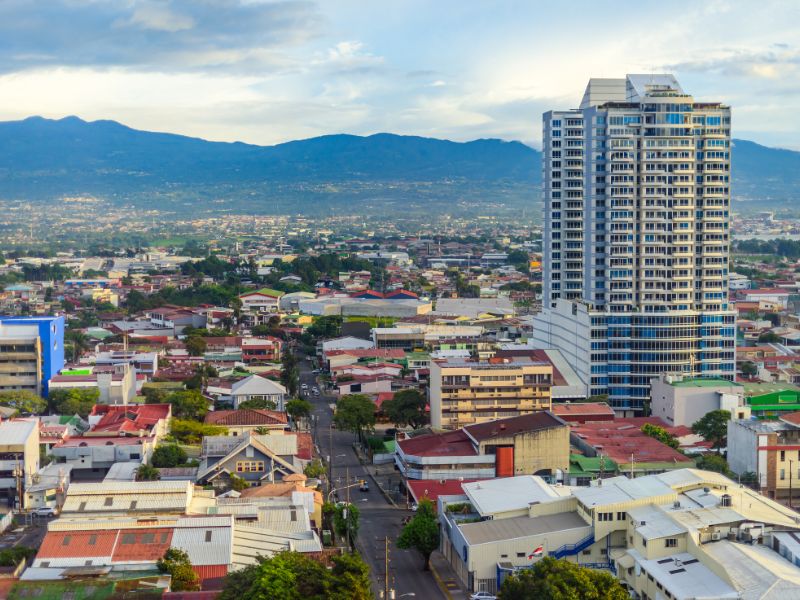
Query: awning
x=625 y=561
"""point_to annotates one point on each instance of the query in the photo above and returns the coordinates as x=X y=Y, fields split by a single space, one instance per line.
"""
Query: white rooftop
x=621 y=489
x=685 y=577
x=16 y=433
x=760 y=573
x=506 y=494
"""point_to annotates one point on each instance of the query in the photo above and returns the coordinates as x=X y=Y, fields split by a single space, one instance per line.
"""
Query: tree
x=290 y=376
x=298 y=408
x=259 y=404
x=78 y=341
x=552 y=579
x=315 y=469
x=168 y=455
x=147 y=473
x=407 y=407
x=356 y=413
x=195 y=345
x=176 y=563
x=325 y=327
x=295 y=576
x=25 y=402
x=713 y=427
x=661 y=434
x=769 y=337
x=345 y=521
x=422 y=532
x=749 y=368
x=75 y=401
x=192 y=432
x=188 y=404
x=714 y=462
x=237 y=483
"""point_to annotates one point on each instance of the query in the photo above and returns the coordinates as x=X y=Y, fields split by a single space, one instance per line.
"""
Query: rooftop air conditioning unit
x=716 y=536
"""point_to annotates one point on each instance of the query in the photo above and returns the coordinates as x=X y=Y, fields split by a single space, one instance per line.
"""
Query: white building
x=636 y=241
x=684 y=401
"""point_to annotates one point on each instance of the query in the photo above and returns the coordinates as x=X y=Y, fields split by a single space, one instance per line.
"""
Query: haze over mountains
x=43 y=159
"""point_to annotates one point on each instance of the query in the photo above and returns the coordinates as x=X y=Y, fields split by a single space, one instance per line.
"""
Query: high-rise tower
x=636 y=243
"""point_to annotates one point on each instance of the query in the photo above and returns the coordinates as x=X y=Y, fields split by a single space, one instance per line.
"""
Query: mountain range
x=44 y=159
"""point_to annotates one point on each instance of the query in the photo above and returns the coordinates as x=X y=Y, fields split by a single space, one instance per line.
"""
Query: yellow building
x=463 y=392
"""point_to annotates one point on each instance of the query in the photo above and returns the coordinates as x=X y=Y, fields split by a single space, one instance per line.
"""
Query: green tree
x=406 y=408
x=78 y=342
x=25 y=402
x=168 y=455
x=192 y=432
x=298 y=408
x=294 y=576
x=176 y=563
x=749 y=368
x=714 y=462
x=237 y=483
x=10 y=557
x=188 y=404
x=713 y=427
x=345 y=521
x=75 y=401
x=356 y=413
x=290 y=375
x=552 y=579
x=661 y=434
x=147 y=473
x=195 y=345
x=315 y=469
x=325 y=327
x=259 y=404
x=421 y=533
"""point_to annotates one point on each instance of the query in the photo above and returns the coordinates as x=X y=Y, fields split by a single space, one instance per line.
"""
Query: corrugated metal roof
x=205 y=544
x=15 y=433
x=498 y=530
x=508 y=493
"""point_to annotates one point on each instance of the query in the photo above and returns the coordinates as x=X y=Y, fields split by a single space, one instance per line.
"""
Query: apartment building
x=636 y=242
x=463 y=392
x=31 y=352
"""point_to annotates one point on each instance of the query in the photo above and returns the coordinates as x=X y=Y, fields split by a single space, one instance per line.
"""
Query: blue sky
x=268 y=71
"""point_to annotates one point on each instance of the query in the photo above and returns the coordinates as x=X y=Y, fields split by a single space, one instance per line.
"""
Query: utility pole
x=791 y=463
x=633 y=463
x=347 y=475
x=386 y=569
x=330 y=456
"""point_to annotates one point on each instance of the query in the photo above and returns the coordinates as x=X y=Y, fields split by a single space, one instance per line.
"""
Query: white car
x=482 y=596
x=45 y=511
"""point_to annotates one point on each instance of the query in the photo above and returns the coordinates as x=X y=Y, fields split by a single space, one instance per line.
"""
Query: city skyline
x=267 y=72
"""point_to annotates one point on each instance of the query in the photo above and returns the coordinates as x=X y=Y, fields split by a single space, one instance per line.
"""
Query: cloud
x=780 y=61
x=159 y=35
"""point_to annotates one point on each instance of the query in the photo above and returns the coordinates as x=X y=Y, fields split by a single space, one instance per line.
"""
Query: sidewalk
x=446 y=578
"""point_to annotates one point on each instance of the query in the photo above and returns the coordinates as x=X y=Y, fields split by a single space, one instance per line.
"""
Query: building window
x=66 y=540
x=128 y=538
x=783 y=455
x=109 y=501
x=520 y=555
x=148 y=538
x=783 y=474
x=208 y=535
x=621 y=516
x=671 y=543
x=92 y=539
x=250 y=466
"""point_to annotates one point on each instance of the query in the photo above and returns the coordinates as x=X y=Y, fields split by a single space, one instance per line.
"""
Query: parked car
x=304 y=386
x=45 y=511
x=482 y=596
x=364 y=487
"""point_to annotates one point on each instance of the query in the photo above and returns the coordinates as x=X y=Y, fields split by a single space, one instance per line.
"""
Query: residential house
x=245 y=420
x=253 y=387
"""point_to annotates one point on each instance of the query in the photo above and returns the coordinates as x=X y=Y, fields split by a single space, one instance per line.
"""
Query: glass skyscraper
x=636 y=244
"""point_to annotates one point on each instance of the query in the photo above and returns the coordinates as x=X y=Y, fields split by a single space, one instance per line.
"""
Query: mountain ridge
x=43 y=159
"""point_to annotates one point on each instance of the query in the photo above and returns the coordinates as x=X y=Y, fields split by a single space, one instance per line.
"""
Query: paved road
x=378 y=518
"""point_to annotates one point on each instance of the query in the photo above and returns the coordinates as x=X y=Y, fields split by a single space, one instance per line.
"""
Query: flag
x=536 y=553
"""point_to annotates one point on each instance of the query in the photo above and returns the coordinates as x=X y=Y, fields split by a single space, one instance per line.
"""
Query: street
x=378 y=518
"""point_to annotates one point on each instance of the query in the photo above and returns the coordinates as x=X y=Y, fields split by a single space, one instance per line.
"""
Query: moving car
x=364 y=487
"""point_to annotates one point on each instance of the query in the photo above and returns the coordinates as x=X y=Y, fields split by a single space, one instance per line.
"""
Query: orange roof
x=142 y=544
x=246 y=416
x=130 y=418
x=67 y=544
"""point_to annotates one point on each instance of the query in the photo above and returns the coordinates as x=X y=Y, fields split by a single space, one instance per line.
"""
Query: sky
x=265 y=72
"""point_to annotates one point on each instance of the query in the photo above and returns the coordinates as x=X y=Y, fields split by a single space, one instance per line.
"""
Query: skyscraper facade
x=636 y=243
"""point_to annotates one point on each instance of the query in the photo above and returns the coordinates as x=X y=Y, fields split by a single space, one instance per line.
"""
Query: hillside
x=43 y=159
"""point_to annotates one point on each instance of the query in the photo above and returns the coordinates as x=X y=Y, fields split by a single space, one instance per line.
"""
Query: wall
x=742 y=448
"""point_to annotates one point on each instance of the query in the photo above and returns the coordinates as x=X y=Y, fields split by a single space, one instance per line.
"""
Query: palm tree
x=79 y=342
x=147 y=473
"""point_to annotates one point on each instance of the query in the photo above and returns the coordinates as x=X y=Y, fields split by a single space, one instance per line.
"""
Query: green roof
x=704 y=382
x=588 y=464
x=76 y=372
x=759 y=388
x=266 y=292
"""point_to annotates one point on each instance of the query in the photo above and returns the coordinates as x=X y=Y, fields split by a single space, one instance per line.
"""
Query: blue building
x=34 y=342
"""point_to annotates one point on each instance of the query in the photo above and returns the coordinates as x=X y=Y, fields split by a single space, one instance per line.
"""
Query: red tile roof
x=583 y=411
x=246 y=416
x=128 y=419
x=791 y=418
x=305 y=446
x=369 y=353
x=103 y=441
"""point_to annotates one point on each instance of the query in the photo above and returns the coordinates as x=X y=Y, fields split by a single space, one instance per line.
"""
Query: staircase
x=572 y=549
